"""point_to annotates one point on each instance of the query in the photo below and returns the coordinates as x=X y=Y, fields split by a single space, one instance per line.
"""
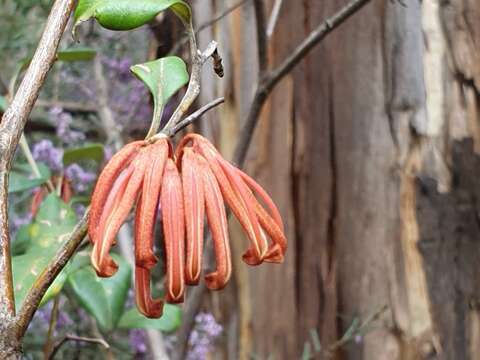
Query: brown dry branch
x=11 y=128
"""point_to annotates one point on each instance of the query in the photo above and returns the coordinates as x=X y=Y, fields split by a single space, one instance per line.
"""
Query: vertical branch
x=11 y=128
x=261 y=36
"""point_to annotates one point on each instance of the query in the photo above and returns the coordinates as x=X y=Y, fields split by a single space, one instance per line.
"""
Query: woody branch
x=11 y=128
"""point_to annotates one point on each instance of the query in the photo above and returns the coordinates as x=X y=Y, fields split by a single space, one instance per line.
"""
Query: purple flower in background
x=138 y=341
x=79 y=177
x=44 y=151
x=203 y=336
x=120 y=67
x=64 y=120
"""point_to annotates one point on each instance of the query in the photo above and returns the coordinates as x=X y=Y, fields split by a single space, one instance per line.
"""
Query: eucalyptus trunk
x=370 y=147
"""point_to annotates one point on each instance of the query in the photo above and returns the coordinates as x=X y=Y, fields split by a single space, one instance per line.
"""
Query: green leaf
x=103 y=298
x=52 y=225
x=90 y=151
x=127 y=14
x=76 y=54
x=163 y=77
x=20 y=180
x=3 y=103
x=170 y=320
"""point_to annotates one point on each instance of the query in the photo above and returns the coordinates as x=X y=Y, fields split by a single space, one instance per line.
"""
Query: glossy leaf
x=21 y=177
x=170 y=320
x=3 y=103
x=127 y=14
x=103 y=298
x=87 y=152
x=76 y=54
x=163 y=77
x=52 y=225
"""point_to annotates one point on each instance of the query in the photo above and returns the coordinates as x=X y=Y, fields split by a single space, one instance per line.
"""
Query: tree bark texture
x=370 y=147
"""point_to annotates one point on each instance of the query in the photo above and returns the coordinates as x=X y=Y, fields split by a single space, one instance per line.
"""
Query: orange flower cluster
x=190 y=185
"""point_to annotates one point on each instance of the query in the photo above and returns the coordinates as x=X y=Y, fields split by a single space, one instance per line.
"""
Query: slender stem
x=272 y=22
x=47 y=349
x=196 y=115
x=261 y=37
x=11 y=128
x=48 y=275
x=76 y=338
x=31 y=161
x=193 y=89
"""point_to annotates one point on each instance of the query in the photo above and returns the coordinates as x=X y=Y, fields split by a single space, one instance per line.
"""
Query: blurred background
x=369 y=146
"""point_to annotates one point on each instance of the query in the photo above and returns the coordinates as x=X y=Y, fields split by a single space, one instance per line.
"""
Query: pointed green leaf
x=90 y=151
x=127 y=14
x=163 y=77
x=170 y=320
x=20 y=178
x=103 y=298
x=51 y=227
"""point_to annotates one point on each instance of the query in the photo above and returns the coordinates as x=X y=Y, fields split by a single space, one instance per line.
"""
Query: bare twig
x=267 y=84
x=48 y=275
x=68 y=337
x=274 y=17
x=193 y=89
x=31 y=161
x=182 y=41
x=196 y=115
x=220 y=16
x=261 y=37
x=48 y=347
x=11 y=128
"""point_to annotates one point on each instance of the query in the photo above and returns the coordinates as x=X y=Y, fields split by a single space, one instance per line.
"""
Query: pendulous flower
x=146 y=175
x=193 y=185
x=208 y=181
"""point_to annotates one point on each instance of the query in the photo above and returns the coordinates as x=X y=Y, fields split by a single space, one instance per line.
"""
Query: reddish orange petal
x=37 y=199
x=151 y=308
x=171 y=200
x=108 y=229
x=217 y=220
x=105 y=182
x=272 y=225
x=194 y=205
x=233 y=194
x=67 y=192
x=255 y=187
x=148 y=205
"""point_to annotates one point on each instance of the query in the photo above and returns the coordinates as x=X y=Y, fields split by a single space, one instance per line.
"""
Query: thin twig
x=264 y=88
x=261 y=37
x=183 y=40
x=49 y=274
x=11 y=128
x=272 y=22
x=193 y=89
x=220 y=16
x=31 y=161
x=68 y=337
x=48 y=347
x=267 y=84
x=196 y=115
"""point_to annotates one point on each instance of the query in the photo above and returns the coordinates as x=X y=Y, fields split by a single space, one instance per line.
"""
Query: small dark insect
x=217 y=64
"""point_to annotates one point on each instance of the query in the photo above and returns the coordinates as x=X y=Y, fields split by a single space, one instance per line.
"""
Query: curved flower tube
x=194 y=185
